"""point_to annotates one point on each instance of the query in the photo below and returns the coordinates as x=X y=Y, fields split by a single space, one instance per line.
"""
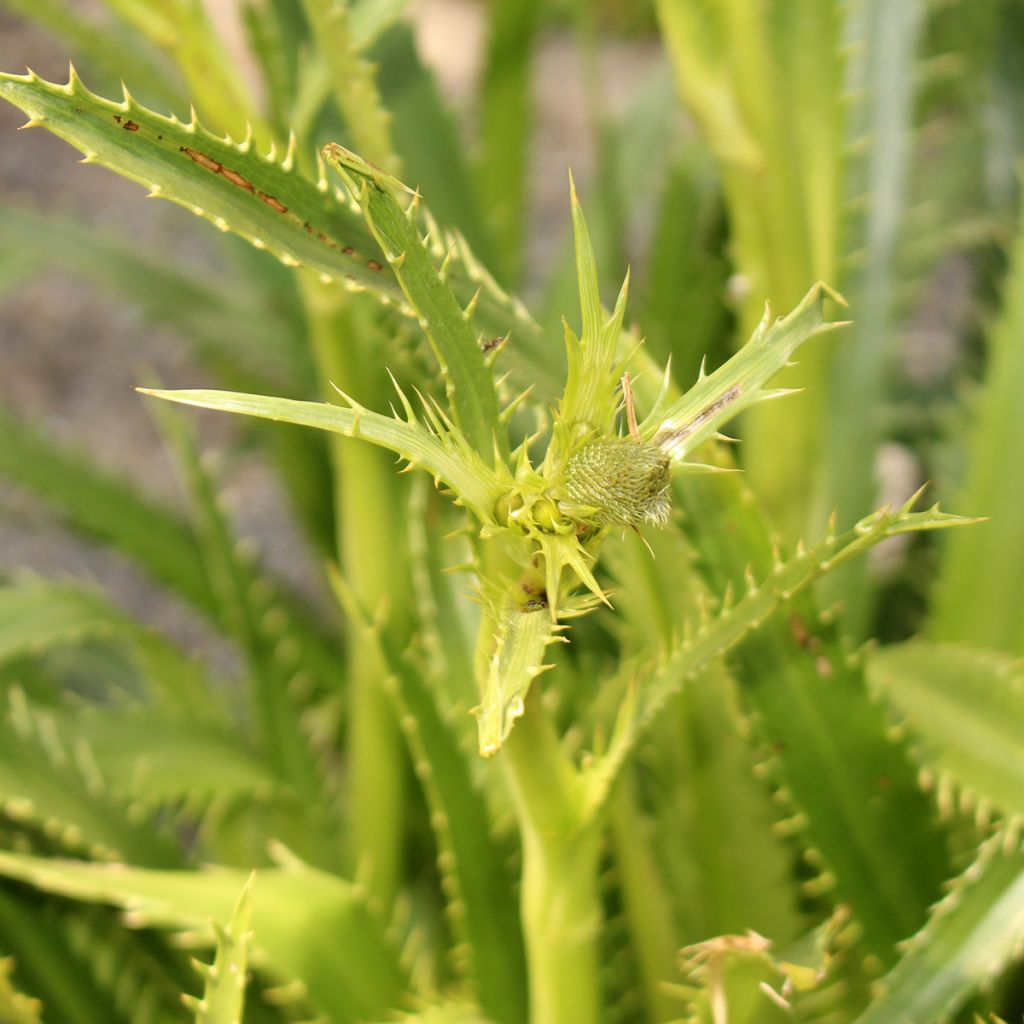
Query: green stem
x=371 y=558
x=648 y=911
x=559 y=901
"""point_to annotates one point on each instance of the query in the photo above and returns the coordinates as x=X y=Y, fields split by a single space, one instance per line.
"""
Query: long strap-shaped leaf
x=442 y=455
x=965 y=706
x=471 y=393
x=974 y=933
x=263 y=199
x=717 y=636
x=850 y=786
x=480 y=895
x=309 y=925
x=266 y=201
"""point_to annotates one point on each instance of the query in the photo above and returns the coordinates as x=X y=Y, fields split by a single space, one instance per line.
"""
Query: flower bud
x=625 y=480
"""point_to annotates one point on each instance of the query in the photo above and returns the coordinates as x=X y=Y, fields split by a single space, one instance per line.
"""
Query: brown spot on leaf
x=275 y=204
x=236 y=179
x=130 y=126
x=374 y=265
x=202 y=159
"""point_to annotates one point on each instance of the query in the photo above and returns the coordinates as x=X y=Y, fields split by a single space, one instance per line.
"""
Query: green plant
x=714 y=807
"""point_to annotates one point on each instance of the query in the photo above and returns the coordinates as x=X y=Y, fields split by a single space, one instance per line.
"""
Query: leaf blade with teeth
x=965 y=705
x=739 y=383
x=264 y=200
x=447 y=457
x=471 y=391
x=517 y=659
x=224 y=992
x=717 y=636
x=973 y=933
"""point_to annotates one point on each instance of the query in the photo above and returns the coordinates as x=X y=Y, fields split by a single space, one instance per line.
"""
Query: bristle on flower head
x=624 y=480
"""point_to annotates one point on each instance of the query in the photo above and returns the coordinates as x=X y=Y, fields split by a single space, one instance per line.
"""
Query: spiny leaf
x=96 y=502
x=47 y=785
x=517 y=659
x=697 y=416
x=977 y=597
x=589 y=402
x=354 y=80
x=477 y=886
x=444 y=455
x=965 y=705
x=471 y=392
x=36 y=615
x=371 y=18
x=849 y=785
x=224 y=992
x=973 y=935
x=273 y=663
x=88 y=969
x=154 y=757
x=309 y=925
x=505 y=125
x=724 y=632
x=882 y=44
x=264 y=200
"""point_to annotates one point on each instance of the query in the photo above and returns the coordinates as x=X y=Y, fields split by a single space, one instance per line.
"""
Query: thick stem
x=560 y=905
x=369 y=537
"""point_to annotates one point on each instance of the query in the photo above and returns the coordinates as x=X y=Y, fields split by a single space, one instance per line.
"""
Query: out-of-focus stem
x=560 y=906
x=370 y=553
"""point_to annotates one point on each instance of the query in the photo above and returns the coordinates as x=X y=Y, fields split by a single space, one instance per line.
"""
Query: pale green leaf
x=688 y=422
x=441 y=452
x=847 y=785
x=471 y=393
x=154 y=757
x=882 y=78
x=973 y=935
x=590 y=402
x=261 y=197
x=309 y=925
x=36 y=615
x=505 y=125
x=53 y=787
x=223 y=997
x=965 y=706
x=480 y=893
x=518 y=658
x=371 y=18
x=733 y=623
x=98 y=503
x=267 y=201
x=261 y=629
x=977 y=595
